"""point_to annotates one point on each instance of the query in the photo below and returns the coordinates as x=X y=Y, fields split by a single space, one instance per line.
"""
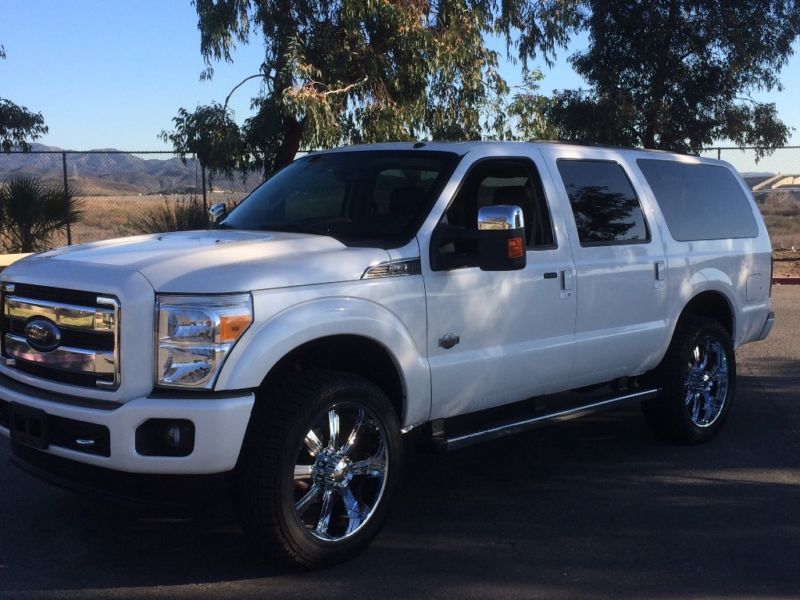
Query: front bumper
x=220 y=424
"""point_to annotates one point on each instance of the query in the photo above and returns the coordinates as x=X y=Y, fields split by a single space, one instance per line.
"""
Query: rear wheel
x=698 y=377
x=318 y=469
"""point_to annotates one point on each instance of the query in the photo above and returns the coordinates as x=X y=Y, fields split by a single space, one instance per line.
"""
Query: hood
x=219 y=261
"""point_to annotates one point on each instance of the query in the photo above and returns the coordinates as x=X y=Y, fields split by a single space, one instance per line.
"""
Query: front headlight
x=195 y=335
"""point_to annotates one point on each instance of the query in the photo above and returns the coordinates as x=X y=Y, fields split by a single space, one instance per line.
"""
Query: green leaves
x=350 y=71
x=212 y=135
x=677 y=74
x=31 y=212
x=17 y=123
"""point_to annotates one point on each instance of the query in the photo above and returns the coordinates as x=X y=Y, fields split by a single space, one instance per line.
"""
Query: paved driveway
x=592 y=508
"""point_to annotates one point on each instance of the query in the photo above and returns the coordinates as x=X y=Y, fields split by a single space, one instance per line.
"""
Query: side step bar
x=511 y=427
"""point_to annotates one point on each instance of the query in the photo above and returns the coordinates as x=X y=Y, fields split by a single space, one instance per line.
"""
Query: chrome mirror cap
x=500 y=217
x=217 y=212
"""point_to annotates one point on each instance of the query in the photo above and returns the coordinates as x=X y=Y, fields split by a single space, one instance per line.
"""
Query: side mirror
x=501 y=238
x=216 y=213
x=498 y=243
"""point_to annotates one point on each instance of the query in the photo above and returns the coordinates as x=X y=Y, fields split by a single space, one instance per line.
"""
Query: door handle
x=661 y=270
x=566 y=280
x=567 y=283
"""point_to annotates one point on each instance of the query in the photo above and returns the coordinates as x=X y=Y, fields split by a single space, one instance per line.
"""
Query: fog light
x=165 y=437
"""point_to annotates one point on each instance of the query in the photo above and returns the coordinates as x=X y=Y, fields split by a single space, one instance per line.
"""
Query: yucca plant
x=32 y=212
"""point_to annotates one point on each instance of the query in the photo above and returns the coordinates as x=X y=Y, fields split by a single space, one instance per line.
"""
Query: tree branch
x=240 y=84
x=345 y=89
x=749 y=99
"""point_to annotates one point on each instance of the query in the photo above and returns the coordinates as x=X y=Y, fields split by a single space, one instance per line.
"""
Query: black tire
x=283 y=433
x=696 y=400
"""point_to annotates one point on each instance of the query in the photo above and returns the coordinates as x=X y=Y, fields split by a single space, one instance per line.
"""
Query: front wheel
x=698 y=378
x=320 y=462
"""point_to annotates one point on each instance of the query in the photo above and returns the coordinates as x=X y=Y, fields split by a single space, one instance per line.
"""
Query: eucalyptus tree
x=373 y=70
x=17 y=123
x=213 y=137
x=680 y=74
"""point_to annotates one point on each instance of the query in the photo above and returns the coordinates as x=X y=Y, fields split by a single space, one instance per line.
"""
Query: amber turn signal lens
x=232 y=326
x=516 y=247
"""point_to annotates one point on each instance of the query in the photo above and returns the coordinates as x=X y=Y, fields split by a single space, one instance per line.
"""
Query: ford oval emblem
x=42 y=335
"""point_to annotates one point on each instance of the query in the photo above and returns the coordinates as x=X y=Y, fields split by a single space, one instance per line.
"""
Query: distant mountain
x=103 y=172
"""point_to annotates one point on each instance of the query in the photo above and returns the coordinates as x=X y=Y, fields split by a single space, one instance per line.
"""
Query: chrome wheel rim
x=706 y=383
x=340 y=472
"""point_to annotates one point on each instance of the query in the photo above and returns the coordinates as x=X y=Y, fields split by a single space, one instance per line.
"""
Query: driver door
x=499 y=337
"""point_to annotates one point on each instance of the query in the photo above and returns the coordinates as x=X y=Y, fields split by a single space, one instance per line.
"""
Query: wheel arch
x=712 y=304
x=347 y=334
x=357 y=354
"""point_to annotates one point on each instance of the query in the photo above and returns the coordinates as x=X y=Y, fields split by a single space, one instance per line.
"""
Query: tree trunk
x=290 y=144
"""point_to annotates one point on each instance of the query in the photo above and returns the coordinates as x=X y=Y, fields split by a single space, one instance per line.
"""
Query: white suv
x=475 y=289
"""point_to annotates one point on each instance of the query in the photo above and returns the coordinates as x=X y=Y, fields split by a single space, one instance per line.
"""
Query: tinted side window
x=699 y=202
x=605 y=206
x=505 y=181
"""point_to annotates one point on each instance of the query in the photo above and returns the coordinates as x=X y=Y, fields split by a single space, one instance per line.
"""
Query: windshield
x=361 y=197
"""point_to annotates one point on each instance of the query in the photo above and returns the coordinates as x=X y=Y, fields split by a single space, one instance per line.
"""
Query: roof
x=462 y=148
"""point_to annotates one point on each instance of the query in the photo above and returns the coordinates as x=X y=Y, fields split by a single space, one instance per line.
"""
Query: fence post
x=719 y=153
x=66 y=197
x=205 y=202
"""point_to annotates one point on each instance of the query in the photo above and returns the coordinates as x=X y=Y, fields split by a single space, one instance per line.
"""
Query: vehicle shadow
x=592 y=508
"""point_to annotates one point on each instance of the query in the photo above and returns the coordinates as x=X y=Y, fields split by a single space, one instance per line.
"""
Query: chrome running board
x=511 y=427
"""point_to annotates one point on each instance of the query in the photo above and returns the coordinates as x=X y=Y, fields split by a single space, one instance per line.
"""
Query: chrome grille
x=87 y=351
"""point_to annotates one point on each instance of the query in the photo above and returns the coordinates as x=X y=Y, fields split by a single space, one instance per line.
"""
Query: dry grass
x=781 y=212
x=107 y=217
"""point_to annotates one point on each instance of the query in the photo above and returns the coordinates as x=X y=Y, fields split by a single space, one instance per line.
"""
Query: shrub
x=175 y=215
x=31 y=213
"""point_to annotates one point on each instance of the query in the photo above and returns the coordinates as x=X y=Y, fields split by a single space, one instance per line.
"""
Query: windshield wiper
x=293 y=229
x=321 y=226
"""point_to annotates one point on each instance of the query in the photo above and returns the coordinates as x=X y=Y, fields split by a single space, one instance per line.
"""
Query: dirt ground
x=786 y=263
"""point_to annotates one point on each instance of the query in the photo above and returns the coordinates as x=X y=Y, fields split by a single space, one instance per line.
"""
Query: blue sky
x=112 y=73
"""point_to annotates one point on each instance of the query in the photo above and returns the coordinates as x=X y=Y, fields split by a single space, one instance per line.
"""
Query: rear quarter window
x=699 y=201
x=604 y=203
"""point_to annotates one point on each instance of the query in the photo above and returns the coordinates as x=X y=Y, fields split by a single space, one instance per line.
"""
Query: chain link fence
x=125 y=193
x=121 y=193
x=775 y=182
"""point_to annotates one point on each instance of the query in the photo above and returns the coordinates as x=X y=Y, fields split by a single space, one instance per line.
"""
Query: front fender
x=267 y=342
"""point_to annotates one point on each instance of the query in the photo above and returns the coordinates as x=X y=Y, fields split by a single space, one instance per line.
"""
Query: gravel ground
x=786 y=263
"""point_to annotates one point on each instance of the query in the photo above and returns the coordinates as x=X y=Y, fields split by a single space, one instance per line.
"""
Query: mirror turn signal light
x=516 y=247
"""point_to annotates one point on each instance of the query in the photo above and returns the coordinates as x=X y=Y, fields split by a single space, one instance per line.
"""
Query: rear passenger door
x=620 y=266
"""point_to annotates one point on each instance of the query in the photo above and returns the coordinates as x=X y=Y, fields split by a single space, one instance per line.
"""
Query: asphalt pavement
x=594 y=508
